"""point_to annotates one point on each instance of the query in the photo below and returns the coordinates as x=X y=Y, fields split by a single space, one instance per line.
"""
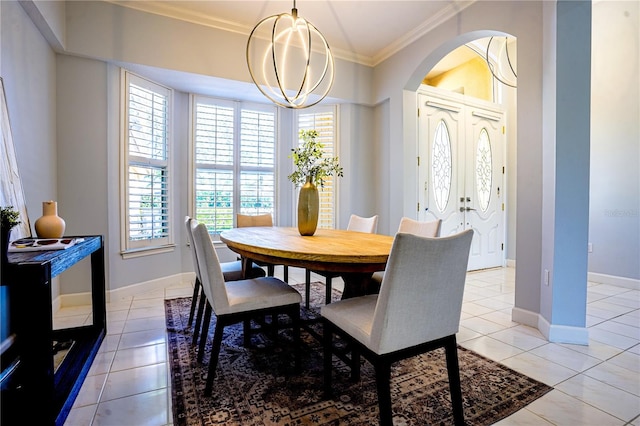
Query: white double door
x=462 y=179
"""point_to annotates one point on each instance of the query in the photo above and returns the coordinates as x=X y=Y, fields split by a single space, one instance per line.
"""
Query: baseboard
x=552 y=332
x=563 y=333
x=525 y=317
x=146 y=286
x=79 y=299
x=511 y=263
x=629 y=283
x=73 y=299
x=568 y=334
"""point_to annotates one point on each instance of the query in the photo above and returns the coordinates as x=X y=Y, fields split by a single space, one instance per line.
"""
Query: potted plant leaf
x=9 y=218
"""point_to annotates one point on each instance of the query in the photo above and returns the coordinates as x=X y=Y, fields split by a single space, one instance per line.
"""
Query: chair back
x=422 y=229
x=245 y=220
x=194 y=256
x=211 y=275
x=420 y=298
x=363 y=224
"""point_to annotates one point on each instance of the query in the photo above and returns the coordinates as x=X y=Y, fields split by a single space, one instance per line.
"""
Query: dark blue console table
x=36 y=393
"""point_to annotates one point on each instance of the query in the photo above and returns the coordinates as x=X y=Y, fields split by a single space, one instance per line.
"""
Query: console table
x=36 y=393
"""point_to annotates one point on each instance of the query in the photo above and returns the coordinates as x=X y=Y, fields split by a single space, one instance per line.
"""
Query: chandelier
x=509 y=78
x=290 y=60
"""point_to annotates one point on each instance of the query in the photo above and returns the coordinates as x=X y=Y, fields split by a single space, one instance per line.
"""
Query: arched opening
x=471 y=92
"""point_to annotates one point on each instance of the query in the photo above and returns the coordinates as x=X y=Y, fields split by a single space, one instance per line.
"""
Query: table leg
x=246 y=266
x=358 y=284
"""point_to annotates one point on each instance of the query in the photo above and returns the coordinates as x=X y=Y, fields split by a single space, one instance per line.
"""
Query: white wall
x=614 y=219
x=356 y=144
x=28 y=70
x=29 y=74
x=102 y=31
x=49 y=17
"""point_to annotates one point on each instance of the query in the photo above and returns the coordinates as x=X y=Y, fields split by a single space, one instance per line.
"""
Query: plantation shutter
x=214 y=158
x=147 y=195
x=234 y=151
x=257 y=164
x=324 y=123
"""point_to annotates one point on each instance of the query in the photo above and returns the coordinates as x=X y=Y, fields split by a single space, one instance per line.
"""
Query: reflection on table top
x=327 y=250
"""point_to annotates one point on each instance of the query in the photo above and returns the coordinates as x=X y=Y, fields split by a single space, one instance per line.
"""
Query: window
x=234 y=155
x=146 y=166
x=322 y=119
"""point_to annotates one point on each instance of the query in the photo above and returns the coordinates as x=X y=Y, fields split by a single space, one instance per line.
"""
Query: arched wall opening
x=507 y=99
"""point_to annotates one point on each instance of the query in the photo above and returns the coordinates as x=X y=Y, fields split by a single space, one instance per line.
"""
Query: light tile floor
x=597 y=385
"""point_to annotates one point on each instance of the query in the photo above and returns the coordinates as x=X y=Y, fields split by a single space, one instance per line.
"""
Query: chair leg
x=215 y=353
x=327 y=289
x=355 y=364
x=307 y=287
x=194 y=301
x=327 y=341
x=295 y=322
x=285 y=274
x=205 y=332
x=246 y=332
x=196 y=328
x=270 y=270
x=453 y=370
x=383 y=377
x=273 y=325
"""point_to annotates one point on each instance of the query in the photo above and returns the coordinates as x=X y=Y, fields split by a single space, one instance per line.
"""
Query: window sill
x=147 y=251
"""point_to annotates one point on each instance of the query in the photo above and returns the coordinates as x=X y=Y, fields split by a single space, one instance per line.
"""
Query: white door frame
x=466 y=206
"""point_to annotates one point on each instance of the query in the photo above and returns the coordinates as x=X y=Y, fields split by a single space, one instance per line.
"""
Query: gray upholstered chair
x=417 y=310
x=245 y=220
x=231 y=270
x=239 y=301
x=410 y=226
x=357 y=224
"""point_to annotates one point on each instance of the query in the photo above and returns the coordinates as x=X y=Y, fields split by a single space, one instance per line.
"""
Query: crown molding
x=450 y=11
x=175 y=11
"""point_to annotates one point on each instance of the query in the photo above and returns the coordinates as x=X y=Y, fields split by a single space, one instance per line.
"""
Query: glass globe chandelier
x=290 y=60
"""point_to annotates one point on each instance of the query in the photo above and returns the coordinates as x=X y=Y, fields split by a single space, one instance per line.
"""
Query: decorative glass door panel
x=441 y=167
x=441 y=122
x=484 y=171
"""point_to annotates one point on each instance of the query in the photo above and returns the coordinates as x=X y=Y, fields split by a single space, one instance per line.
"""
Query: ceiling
x=364 y=31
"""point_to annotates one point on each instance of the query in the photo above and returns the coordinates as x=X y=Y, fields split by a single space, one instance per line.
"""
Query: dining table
x=355 y=256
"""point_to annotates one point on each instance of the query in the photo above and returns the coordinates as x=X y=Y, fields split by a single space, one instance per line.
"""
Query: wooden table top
x=327 y=250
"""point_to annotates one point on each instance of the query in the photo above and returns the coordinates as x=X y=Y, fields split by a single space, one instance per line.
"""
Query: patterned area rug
x=257 y=386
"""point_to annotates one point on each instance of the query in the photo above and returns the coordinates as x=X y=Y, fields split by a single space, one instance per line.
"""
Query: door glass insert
x=441 y=167
x=483 y=170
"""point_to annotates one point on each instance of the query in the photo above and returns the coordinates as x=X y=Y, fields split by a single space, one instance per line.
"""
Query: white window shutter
x=323 y=121
x=234 y=156
x=147 y=194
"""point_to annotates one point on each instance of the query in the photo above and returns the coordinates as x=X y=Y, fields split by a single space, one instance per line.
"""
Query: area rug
x=257 y=385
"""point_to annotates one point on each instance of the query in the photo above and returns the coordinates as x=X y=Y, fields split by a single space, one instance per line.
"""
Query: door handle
x=462 y=209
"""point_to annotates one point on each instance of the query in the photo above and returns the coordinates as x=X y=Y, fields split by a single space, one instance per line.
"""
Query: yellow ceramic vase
x=308 y=207
x=50 y=225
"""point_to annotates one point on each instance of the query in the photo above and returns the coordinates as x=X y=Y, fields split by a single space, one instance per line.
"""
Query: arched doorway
x=465 y=148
